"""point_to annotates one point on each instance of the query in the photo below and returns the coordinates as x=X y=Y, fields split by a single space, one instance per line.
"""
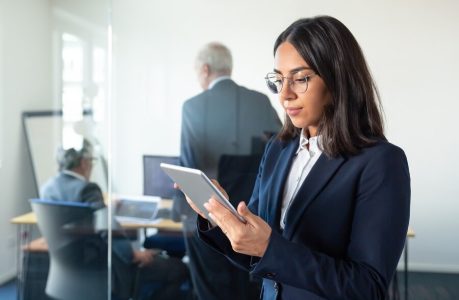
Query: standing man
x=224 y=119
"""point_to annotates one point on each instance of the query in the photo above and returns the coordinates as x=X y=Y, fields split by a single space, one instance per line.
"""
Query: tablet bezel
x=198 y=187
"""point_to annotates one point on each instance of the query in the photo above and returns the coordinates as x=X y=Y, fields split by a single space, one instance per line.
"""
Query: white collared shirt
x=217 y=80
x=74 y=174
x=301 y=166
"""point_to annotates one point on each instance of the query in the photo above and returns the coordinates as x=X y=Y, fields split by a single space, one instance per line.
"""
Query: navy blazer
x=345 y=229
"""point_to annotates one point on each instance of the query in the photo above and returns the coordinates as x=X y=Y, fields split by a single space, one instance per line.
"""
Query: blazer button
x=276 y=286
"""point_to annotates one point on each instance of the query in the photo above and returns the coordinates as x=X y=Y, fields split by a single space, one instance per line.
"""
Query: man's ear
x=206 y=70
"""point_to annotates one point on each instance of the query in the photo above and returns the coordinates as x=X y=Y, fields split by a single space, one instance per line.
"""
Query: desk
x=29 y=219
x=410 y=234
x=26 y=221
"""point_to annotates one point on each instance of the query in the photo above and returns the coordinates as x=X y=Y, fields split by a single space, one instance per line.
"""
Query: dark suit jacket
x=65 y=187
x=226 y=119
x=345 y=229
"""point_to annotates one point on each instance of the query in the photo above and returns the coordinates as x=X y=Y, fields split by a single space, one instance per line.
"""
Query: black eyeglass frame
x=273 y=87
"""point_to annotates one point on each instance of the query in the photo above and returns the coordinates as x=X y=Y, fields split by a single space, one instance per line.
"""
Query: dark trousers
x=214 y=277
x=161 y=280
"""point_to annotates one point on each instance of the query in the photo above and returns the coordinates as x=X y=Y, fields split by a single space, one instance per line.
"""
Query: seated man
x=72 y=184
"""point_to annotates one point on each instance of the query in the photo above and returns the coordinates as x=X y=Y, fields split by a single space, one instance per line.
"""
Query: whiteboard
x=43 y=132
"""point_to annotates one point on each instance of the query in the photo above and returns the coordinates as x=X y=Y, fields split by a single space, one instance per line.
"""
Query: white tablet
x=198 y=187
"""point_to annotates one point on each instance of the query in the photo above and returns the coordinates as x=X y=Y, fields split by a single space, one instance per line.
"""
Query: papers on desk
x=136 y=209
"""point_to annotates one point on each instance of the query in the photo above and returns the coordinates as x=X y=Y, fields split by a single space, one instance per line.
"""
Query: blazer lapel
x=314 y=183
x=280 y=174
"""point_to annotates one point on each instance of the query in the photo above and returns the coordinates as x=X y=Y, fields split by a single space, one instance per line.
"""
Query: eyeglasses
x=92 y=159
x=298 y=82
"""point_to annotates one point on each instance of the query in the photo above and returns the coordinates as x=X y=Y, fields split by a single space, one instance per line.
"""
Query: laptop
x=136 y=209
x=156 y=182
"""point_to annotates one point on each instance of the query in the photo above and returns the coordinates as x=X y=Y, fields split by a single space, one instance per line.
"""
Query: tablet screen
x=198 y=187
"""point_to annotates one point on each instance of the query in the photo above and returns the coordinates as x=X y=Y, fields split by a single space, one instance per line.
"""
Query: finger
x=217 y=223
x=220 y=188
x=245 y=212
x=215 y=207
x=222 y=216
x=195 y=208
x=221 y=222
x=215 y=182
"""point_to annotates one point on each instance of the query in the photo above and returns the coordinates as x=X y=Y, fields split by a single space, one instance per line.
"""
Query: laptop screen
x=135 y=208
x=156 y=182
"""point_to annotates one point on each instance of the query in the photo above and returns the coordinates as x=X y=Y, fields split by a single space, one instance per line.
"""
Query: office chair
x=78 y=258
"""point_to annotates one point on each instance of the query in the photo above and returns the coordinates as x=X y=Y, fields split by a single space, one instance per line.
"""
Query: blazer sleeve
x=378 y=233
x=188 y=142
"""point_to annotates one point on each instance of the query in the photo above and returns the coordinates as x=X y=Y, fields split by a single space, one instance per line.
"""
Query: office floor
x=431 y=286
x=423 y=286
x=8 y=290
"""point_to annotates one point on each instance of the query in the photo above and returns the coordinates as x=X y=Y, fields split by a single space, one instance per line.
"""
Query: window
x=83 y=82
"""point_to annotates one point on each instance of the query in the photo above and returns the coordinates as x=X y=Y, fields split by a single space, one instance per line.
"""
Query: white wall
x=1 y=86
x=411 y=47
x=25 y=74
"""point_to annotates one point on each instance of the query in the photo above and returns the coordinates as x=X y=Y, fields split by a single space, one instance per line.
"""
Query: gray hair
x=69 y=159
x=218 y=57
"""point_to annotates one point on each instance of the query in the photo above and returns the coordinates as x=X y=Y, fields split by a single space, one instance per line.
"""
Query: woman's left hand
x=251 y=238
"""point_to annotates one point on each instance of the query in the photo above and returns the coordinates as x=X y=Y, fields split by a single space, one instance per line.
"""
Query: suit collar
x=74 y=174
x=281 y=171
x=314 y=183
x=218 y=80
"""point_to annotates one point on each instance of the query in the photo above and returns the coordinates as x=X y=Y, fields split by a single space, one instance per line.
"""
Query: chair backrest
x=155 y=181
x=237 y=175
x=78 y=257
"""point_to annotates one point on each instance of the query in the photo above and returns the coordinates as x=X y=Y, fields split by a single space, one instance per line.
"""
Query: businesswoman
x=329 y=212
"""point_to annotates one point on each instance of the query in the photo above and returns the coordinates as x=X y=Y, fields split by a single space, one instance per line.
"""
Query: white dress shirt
x=217 y=80
x=301 y=166
x=74 y=174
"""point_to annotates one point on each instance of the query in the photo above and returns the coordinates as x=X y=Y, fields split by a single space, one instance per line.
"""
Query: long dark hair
x=352 y=120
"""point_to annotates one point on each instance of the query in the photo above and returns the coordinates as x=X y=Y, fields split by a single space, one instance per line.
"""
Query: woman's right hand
x=193 y=206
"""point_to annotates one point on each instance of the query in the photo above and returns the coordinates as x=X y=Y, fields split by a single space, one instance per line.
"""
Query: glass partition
x=107 y=225
x=66 y=241
x=155 y=50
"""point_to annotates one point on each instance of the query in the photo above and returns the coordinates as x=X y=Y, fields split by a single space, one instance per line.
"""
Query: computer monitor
x=155 y=181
